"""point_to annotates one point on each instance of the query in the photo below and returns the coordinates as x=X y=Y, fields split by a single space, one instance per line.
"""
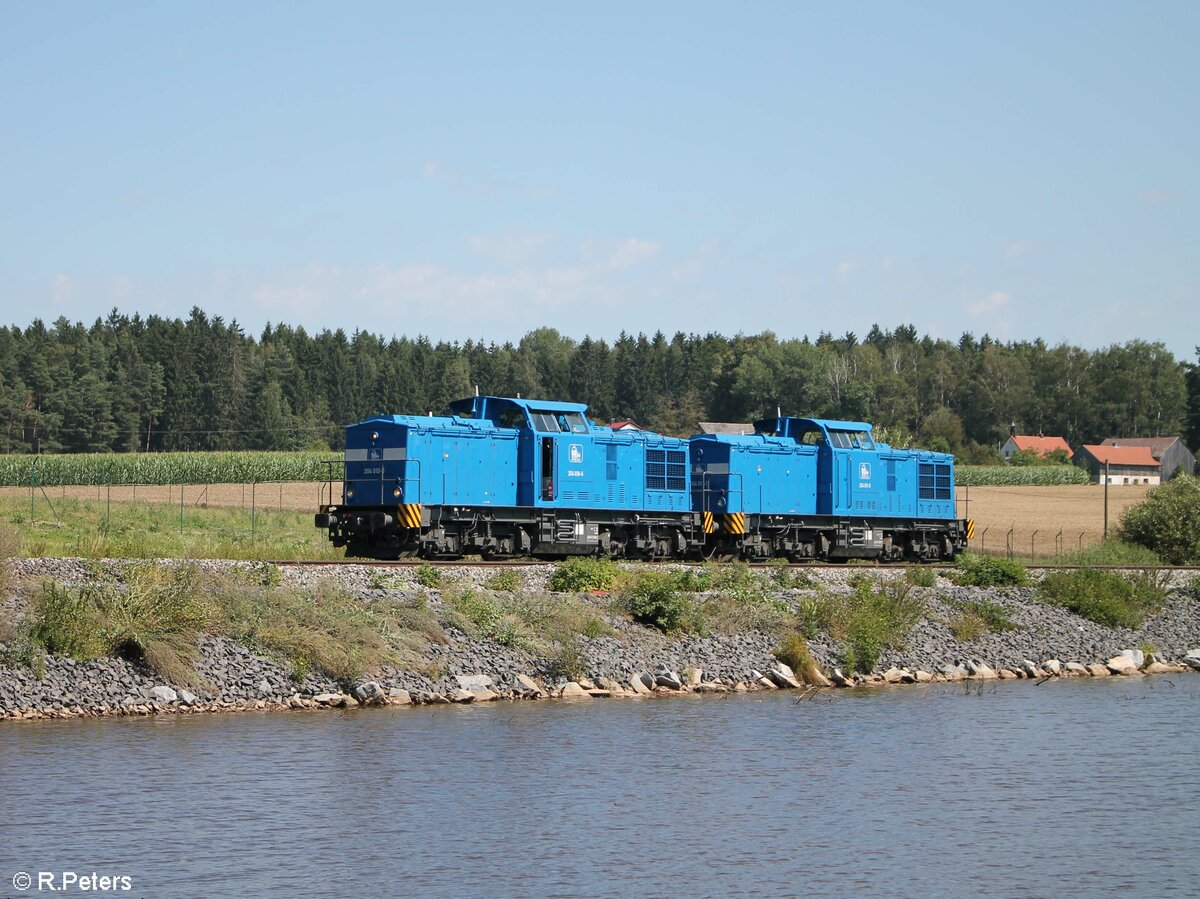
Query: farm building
x=626 y=426
x=1126 y=464
x=1171 y=452
x=1043 y=446
x=726 y=427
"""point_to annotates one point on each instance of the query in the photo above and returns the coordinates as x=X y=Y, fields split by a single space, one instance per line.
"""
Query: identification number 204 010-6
x=574 y=473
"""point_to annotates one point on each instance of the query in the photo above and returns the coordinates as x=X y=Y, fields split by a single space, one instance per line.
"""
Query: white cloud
x=1018 y=248
x=844 y=271
x=1157 y=196
x=632 y=252
x=510 y=249
x=990 y=304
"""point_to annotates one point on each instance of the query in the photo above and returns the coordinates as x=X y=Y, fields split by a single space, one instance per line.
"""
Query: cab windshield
x=852 y=439
x=553 y=422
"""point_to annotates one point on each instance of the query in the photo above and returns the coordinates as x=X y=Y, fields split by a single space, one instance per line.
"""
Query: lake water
x=1076 y=787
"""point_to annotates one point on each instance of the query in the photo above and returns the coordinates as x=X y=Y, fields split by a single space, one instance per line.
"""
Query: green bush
x=507 y=581
x=1111 y=552
x=652 y=600
x=873 y=617
x=920 y=575
x=428 y=576
x=1104 y=596
x=988 y=571
x=974 y=618
x=1167 y=521
x=584 y=574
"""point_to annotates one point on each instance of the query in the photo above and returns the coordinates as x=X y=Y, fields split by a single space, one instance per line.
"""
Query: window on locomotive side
x=544 y=421
x=811 y=437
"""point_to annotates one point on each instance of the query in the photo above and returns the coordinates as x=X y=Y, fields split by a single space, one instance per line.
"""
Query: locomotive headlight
x=374 y=435
x=349 y=493
x=396 y=492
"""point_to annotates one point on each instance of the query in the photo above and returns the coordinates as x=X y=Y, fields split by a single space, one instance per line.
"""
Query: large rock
x=1053 y=666
x=817 y=679
x=461 y=696
x=895 y=675
x=1029 y=669
x=397 y=696
x=1122 y=664
x=1074 y=668
x=529 y=686
x=646 y=678
x=639 y=686
x=330 y=699
x=953 y=672
x=1097 y=670
x=692 y=675
x=474 y=681
x=1192 y=661
x=923 y=677
x=783 y=676
x=572 y=691
x=1136 y=656
x=669 y=679
x=163 y=694
x=370 y=693
x=484 y=695
x=187 y=698
x=1157 y=667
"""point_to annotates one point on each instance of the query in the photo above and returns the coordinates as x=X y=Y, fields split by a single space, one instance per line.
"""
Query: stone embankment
x=633 y=661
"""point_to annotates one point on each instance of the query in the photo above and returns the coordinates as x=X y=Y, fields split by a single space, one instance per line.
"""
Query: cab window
x=544 y=421
x=811 y=437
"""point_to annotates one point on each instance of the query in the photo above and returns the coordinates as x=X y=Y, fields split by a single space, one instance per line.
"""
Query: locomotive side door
x=548 y=469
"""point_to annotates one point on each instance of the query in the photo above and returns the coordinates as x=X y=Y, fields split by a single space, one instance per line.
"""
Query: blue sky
x=1022 y=169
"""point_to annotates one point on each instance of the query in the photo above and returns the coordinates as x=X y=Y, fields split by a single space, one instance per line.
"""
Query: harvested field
x=292 y=496
x=1075 y=510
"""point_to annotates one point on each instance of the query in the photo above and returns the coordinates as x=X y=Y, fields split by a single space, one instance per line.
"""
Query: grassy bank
x=96 y=530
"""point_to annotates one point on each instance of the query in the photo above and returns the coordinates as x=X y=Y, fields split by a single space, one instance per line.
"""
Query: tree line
x=150 y=384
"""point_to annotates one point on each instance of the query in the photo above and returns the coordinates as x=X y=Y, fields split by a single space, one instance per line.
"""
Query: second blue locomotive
x=501 y=477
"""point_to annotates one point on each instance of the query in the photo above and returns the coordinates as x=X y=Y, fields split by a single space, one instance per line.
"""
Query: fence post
x=1058 y=542
x=983 y=541
x=32 y=486
x=253 y=507
x=1032 y=551
x=1010 y=540
x=181 y=509
x=1081 y=533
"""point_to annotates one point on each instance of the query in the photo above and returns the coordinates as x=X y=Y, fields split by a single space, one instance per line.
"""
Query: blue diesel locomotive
x=502 y=477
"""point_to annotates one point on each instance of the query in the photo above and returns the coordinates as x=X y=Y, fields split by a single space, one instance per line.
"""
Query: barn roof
x=1123 y=455
x=1043 y=445
x=1156 y=445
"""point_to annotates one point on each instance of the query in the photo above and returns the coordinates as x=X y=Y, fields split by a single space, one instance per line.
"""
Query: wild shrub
x=979 y=616
x=651 y=599
x=793 y=652
x=507 y=581
x=10 y=548
x=584 y=574
x=988 y=571
x=153 y=618
x=428 y=576
x=920 y=575
x=1103 y=596
x=565 y=660
x=871 y=618
x=1167 y=521
x=1112 y=552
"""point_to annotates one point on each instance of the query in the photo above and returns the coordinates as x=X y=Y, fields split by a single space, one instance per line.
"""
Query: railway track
x=798 y=566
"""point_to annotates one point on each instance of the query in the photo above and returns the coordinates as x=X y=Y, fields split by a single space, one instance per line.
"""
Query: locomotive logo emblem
x=864 y=471
x=375 y=452
x=576 y=453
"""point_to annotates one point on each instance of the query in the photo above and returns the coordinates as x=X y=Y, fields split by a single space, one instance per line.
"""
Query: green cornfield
x=1018 y=475
x=90 y=469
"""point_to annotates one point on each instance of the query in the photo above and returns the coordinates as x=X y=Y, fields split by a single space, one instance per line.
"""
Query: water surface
x=1076 y=787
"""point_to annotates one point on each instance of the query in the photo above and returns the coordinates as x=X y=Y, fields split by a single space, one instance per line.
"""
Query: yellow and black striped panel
x=707 y=518
x=734 y=523
x=410 y=515
x=970 y=528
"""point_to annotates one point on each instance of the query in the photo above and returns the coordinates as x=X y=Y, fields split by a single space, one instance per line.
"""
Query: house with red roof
x=626 y=426
x=1171 y=452
x=1043 y=446
x=1120 y=464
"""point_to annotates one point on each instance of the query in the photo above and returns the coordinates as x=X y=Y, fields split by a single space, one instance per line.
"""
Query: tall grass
x=873 y=617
